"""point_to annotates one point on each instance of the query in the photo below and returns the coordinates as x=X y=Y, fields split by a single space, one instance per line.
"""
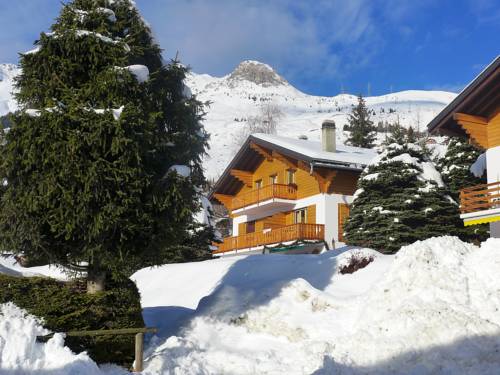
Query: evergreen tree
x=455 y=169
x=363 y=132
x=103 y=159
x=397 y=134
x=411 y=135
x=400 y=199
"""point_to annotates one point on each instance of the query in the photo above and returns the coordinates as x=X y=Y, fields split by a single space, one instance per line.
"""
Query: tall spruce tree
x=362 y=131
x=103 y=159
x=455 y=169
x=401 y=198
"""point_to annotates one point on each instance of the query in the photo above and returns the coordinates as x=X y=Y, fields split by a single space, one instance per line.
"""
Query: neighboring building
x=475 y=113
x=289 y=195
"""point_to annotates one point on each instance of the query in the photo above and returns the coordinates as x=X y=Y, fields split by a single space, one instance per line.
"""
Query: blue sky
x=320 y=46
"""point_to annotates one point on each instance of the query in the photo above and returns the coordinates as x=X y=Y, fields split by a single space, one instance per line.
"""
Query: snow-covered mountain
x=242 y=93
x=7 y=74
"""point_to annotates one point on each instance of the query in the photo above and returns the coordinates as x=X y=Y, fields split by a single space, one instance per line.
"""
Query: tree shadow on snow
x=469 y=355
x=256 y=279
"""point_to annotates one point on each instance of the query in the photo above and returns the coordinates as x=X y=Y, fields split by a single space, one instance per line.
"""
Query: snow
x=432 y=308
x=232 y=103
x=344 y=154
x=9 y=266
x=20 y=354
x=140 y=72
x=33 y=112
x=232 y=99
x=479 y=166
x=181 y=170
x=117 y=112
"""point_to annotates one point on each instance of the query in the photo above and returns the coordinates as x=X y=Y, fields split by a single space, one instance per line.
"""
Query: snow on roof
x=313 y=150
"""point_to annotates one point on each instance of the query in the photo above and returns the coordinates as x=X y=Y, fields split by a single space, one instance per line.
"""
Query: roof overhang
x=248 y=159
x=480 y=98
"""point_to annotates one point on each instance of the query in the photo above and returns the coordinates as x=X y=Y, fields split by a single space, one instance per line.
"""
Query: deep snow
x=432 y=308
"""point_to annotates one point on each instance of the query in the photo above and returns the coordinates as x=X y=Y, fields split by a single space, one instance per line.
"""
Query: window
x=299 y=216
x=273 y=179
x=290 y=176
x=258 y=184
x=251 y=227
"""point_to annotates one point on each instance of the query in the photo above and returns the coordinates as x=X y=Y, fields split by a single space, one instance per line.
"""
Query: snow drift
x=21 y=354
x=432 y=308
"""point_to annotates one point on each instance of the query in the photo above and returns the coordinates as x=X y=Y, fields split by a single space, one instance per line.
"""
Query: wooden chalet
x=289 y=195
x=475 y=114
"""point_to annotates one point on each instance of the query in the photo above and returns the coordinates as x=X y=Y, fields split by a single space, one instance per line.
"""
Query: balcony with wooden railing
x=480 y=198
x=263 y=194
x=294 y=232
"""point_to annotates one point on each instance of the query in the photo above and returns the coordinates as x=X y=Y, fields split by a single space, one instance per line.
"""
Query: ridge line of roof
x=486 y=72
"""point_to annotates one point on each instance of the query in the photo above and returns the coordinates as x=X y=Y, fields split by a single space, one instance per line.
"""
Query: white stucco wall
x=493 y=175
x=493 y=164
x=326 y=213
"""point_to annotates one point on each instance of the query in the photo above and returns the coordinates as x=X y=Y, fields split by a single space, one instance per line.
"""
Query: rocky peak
x=256 y=72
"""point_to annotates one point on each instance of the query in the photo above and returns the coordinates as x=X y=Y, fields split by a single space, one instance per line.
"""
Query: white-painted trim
x=480 y=214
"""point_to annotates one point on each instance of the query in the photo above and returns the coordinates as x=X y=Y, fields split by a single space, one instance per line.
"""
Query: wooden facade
x=262 y=179
x=475 y=113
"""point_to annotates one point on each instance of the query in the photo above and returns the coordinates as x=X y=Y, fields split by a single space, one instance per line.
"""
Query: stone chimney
x=328 y=136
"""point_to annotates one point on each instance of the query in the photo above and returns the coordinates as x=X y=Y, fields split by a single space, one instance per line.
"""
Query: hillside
x=239 y=95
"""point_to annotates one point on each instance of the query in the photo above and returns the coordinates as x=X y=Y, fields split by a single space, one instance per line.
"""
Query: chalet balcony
x=294 y=232
x=275 y=195
x=480 y=204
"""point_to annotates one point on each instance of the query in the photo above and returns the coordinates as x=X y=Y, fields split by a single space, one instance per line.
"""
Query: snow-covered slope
x=7 y=74
x=242 y=93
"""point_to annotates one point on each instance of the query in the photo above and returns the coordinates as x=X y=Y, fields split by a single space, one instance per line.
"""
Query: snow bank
x=433 y=308
x=9 y=266
x=21 y=354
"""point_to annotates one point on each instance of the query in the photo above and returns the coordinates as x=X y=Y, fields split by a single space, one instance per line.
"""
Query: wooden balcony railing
x=283 y=234
x=263 y=194
x=480 y=198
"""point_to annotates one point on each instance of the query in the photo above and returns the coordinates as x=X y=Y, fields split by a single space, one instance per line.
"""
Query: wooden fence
x=139 y=340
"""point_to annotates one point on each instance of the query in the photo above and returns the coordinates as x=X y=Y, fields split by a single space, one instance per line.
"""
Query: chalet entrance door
x=343 y=209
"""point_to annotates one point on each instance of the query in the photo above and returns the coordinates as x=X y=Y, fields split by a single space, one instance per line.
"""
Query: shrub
x=355 y=262
x=65 y=306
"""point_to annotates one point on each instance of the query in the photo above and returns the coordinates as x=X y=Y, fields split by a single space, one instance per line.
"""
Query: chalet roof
x=302 y=149
x=345 y=158
x=481 y=97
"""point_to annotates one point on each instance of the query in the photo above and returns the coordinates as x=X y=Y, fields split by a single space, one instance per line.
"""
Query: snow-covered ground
x=242 y=93
x=432 y=308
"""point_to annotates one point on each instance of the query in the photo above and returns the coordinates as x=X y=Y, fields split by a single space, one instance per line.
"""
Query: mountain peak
x=256 y=72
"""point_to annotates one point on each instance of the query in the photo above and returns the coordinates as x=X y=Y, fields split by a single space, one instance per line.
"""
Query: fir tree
x=455 y=169
x=103 y=159
x=401 y=198
x=363 y=132
x=397 y=134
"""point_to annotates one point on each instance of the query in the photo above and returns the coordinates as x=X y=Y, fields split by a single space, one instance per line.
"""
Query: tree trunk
x=96 y=280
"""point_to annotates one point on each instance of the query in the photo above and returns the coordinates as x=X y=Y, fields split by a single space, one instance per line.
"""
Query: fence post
x=139 y=352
